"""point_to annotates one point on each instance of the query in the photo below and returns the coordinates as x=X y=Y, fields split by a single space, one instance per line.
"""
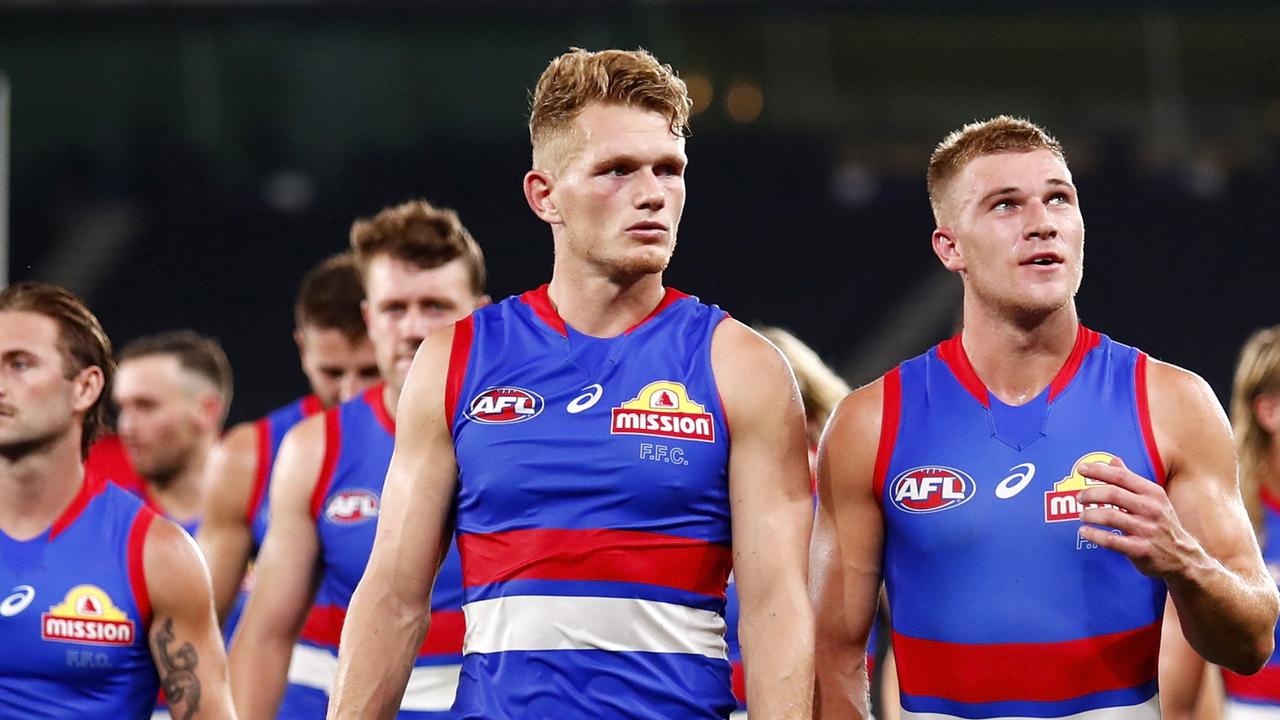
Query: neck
x=182 y=497
x=391 y=398
x=1018 y=359
x=604 y=307
x=37 y=486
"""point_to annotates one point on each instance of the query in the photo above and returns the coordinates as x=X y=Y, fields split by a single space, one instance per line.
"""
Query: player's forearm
x=841 y=687
x=380 y=639
x=259 y=671
x=777 y=648
x=1227 y=617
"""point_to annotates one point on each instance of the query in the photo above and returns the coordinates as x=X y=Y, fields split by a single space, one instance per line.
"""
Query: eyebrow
x=1052 y=182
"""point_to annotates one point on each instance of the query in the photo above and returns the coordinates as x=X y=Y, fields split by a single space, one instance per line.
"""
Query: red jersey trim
x=539 y=301
x=1144 y=418
x=1263 y=686
x=1086 y=341
x=951 y=351
x=1272 y=502
x=311 y=405
x=890 y=416
x=738 y=679
x=332 y=447
x=90 y=488
x=262 y=472
x=377 y=402
x=459 y=354
x=324 y=623
x=137 y=567
x=602 y=555
x=1004 y=671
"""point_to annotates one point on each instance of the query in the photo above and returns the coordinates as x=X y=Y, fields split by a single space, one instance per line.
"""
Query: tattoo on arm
x=177 y=669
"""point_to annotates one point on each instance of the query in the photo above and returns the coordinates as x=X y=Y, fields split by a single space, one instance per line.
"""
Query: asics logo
x=17 y=601
x=1016 y=482
x=589 y=397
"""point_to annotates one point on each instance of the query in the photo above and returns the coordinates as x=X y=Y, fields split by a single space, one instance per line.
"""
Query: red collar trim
x=540 y=302
x=952 y=352
x=92 y=487
x=311 y=405
x=1269 y=500
x=374 y=398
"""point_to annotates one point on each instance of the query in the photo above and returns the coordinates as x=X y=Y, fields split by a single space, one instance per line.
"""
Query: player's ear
x=1266 y=408
x=947 y=250
x=87 y=386
x=537 y=192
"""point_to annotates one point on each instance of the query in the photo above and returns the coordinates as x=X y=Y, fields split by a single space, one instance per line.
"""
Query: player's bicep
x=224 y=536
x=186 y=646
x=413 y=523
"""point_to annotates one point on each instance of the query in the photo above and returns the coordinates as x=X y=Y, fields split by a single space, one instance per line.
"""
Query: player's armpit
x=225 y=537
x=772 y=509
x=284 y=580
x=390 y=611
x=1226 y=600
x=845 y=553
x=185 y=643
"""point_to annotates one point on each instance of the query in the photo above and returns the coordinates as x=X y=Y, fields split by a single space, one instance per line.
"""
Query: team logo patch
x=1060 y=503
x=931 y=489
x=664 y=409
x=504 y=405
x=88 y=616
x=351 y=506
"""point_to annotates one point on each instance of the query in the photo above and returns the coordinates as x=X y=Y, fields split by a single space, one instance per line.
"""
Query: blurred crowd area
x=183 y=166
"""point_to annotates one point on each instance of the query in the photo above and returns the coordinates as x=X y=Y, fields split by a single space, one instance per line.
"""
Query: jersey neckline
x=539 y=301
x=92 y=487
x=951 y=352
x=376 y=400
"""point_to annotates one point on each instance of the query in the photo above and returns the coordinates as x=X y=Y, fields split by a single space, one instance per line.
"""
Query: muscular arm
x=1194 y=533
x=185 y=643
x=1189 y=687
x=284 y=580
x=845 y=554
x=391 y=609
x=772 y=511
x=225 y=536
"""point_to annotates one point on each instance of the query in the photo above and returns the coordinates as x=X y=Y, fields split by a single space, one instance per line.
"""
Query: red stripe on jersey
x=311 y=405
x=1037 y=672
x=263 y=471
x=90 y=488
x=1086 y=340
x=603 y=555
x=952 y=353
x=889 y=418
x=332 y=446
x=137 y=569
x=463 y=331
x=738 y=678
x=671 y=296
x=376 y=399
x=1144 y=418
x=1269 y=500
x=448 y=628
x=540 y=302
x=1262 y=686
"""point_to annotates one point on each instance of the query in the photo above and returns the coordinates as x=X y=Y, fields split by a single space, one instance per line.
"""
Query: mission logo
x=664 y=409
x=505 y=405
x=1060 y=503
x=931 y=489
x=88 y=616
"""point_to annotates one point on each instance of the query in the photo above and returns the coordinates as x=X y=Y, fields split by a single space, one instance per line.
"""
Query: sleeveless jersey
x=999 y=608
x=1258 y=696
x=359 y=439
x=592 y=514
x=74 y=619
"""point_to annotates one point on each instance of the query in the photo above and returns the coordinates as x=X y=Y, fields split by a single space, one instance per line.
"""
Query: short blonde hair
x=1257 y=373
x=1000 y=134
x=420 y=234
x=580 y=77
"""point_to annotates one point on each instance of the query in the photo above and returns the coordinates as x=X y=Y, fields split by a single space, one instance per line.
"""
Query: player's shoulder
x=859 y=414
x=740 y=355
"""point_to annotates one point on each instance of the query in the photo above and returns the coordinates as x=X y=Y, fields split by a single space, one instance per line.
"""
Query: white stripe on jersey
x=554 y=622
x=1149 y=710
x=1232 y=710
x=431 y=688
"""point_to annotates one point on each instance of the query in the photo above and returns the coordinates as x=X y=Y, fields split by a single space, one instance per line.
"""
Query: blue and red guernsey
x=592 y=514
x=1258 y=695
x=359 y=439
x=1000 y=609
x=75 y=613
x=271 y=431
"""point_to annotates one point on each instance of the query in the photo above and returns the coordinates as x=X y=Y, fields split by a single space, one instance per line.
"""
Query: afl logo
x=931 y=489
x=351 y=506
x=504 y=405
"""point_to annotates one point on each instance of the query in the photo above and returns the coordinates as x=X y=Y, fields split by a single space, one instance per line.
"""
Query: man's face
x=403 y=303
x=620 y=190
x=1018 y=234
x=165 y=413
x=337 y=367
x=37 y=401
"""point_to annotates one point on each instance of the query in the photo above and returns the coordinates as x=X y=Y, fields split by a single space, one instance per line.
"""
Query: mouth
x=1043 y=259
x=648 y=228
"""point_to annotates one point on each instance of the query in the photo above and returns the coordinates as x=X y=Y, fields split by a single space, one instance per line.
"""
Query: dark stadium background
x=182 y=164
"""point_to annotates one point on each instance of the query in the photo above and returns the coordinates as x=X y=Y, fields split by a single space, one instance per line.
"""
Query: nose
x=349 y=386
x=1040 y=224
x=650 y=195
x=415 y=325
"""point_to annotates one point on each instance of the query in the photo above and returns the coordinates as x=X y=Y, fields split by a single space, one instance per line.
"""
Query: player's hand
x=1151 y=535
